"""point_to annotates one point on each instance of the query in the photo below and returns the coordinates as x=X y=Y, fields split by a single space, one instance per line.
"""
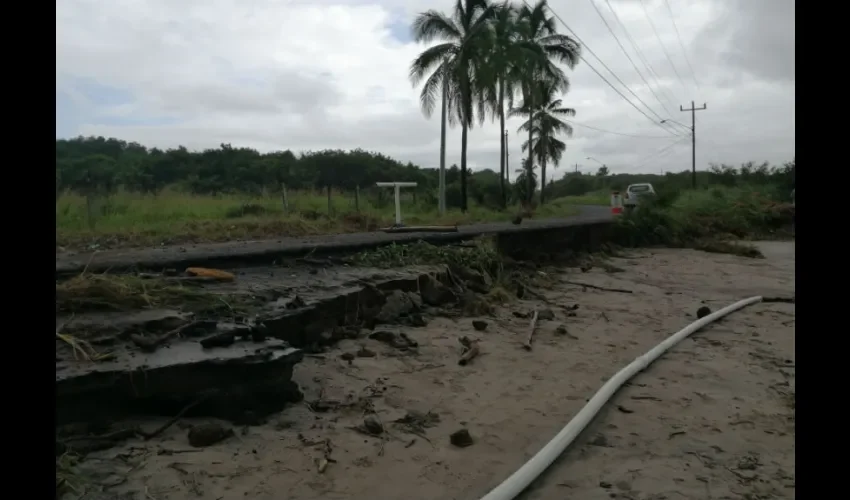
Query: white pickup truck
x=635 y=191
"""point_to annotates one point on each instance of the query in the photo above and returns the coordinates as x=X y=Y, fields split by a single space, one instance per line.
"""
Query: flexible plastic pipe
x=519 y=480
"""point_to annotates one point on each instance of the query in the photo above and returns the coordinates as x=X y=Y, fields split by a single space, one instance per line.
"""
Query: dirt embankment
x=714 y=418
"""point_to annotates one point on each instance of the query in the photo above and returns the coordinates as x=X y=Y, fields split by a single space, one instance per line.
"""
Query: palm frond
x=431 y=25
x=429 y=59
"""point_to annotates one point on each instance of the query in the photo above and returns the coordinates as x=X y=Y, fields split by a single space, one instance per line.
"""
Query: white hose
x=519 y=480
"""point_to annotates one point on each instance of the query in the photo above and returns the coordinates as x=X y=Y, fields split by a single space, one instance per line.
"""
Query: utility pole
x=507 y=155
x=693 y=111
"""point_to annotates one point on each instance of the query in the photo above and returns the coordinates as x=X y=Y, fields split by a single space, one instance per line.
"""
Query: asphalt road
x=268 y=250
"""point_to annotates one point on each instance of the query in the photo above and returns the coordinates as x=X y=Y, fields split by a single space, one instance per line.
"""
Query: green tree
x=91 y=176
x=538 y=29
x=500 y=77
x=455 y=66
x=544 y=125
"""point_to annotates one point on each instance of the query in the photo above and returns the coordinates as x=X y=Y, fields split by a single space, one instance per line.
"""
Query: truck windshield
x=639 y=189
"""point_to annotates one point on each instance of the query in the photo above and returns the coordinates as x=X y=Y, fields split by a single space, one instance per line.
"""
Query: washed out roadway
x=268 y=250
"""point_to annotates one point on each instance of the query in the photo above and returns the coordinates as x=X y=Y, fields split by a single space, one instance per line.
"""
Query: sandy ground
x=712 y=419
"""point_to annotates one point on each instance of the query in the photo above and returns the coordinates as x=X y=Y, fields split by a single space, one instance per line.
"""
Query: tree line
x=99 y=166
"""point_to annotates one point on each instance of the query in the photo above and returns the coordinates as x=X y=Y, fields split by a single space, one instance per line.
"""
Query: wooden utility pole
x=693 y=109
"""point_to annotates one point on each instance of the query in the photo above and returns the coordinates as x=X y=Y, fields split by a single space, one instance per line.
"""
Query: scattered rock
x=545 y=315
x=416 y=299
x=416 y=320
x=399 y=341
x=373 y=426
x=479 y=325
x=473 y=305
x=435 y=293
x=223 y=339
x=347 y=356
x=703 y=312
x=604 y=484
x=365 y=353
x=398 y=304
x=461 y=438
x=203 y=435
x=294 y=303
x=561 y=330
x=476 y=281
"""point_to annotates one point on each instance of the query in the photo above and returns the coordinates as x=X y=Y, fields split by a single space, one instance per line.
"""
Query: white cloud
x=273 y=74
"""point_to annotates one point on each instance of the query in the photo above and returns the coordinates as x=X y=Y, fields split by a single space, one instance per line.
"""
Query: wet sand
x=713 y=418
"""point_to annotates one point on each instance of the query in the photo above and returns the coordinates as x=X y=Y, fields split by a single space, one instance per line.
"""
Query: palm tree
x=545 y=124
x=455 y=66
x=538 y=28
x=505 y=52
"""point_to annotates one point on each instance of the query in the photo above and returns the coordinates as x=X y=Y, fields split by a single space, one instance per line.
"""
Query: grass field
x=135 y=220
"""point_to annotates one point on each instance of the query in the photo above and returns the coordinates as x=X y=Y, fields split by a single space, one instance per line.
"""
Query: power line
x=628 y=56
x=618 y=133
x=669 y=59
x=640 y=55
x=684 y=51
x=654 y=122
x=660 y=152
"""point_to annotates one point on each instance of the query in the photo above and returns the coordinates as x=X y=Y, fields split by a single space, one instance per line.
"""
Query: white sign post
x=397 y=185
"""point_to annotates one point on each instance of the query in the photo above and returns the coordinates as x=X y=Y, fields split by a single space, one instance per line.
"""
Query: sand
x=712 y=419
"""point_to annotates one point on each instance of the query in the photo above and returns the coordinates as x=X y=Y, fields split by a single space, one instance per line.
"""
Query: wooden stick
x=596 y=287
x=470 y=351
x=531 y=329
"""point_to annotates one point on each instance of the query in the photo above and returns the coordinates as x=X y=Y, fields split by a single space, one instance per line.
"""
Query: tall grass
x=719 y=213
x=131 y=219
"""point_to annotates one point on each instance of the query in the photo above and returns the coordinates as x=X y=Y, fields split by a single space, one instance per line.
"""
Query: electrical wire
x=684 y=51
x=617 y=39
x=657 y=36
x=643 y=59
x=654 y=122
x=617 y=133
x=661 y=152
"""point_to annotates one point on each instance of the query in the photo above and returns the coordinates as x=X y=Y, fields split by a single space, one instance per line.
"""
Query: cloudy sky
x=315 y=74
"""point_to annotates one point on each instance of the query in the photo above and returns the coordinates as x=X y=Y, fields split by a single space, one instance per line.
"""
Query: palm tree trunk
x=463 y=138
x=503 y=168
x=530 y=172
x=542 y=178
x=441 y=204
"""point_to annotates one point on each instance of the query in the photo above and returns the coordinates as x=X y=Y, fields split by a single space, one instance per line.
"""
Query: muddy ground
x=713 y=418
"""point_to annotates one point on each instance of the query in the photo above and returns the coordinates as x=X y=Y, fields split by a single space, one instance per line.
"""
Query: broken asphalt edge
x=257 y=252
